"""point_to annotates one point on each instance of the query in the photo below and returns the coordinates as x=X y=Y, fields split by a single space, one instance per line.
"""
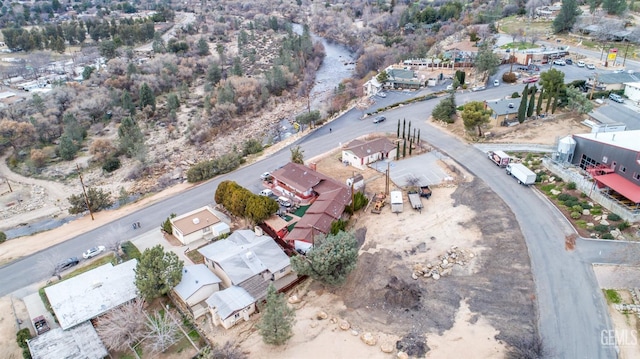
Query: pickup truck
x=425 y=192
x=41 y=325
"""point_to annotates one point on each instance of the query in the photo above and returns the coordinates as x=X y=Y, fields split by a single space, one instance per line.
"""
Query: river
x=338 y=64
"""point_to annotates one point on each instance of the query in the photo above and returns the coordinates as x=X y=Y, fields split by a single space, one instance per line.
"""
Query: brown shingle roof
x=298 y=176
x=187 y=222
x=363 y=149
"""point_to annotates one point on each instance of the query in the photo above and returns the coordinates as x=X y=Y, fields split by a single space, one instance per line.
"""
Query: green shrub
x=583 y=195
x=624 y=225
x=566 y=197
x=571 y=186
x=252 y=146
x=547 y=188
x=612 y=296
x=570 y=203
x=359 y=201
x=596 y=210
x=577 y=208
x=581 y=223
x=585 y=205
x=515 y=95
x=613 y=217
x=3 y=237
x=602 y=228
x=111 y=164
x=205 y=170
x=576 y=215
x=22 y=336
x=509 y=77
x=607 y=236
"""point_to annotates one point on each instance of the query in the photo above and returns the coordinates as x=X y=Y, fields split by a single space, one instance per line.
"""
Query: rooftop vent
x=196 y=221
x=249 y=255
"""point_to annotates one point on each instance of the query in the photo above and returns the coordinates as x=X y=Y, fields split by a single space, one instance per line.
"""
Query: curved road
x=572 y=312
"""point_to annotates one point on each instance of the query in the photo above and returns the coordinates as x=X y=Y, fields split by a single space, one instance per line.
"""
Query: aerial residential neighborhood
x=338 y=179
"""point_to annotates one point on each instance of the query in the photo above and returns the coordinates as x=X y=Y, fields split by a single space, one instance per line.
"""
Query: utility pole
x=386 y=182
x=84 y=191
x=8 y=184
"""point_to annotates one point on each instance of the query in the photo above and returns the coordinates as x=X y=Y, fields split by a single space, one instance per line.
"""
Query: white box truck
x=524 y=175
x=500 y=158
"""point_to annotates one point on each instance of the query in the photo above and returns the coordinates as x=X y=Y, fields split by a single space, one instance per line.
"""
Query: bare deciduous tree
x=122 y=327
x=162 y=332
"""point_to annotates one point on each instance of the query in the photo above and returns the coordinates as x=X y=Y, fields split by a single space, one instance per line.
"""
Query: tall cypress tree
x=404 y=123
x=522 y=110
x=398 y=128
x=532 y=101
x=539 y=105
x=404 y=148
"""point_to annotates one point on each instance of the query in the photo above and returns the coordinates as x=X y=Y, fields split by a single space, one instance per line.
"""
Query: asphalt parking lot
x=424 y=168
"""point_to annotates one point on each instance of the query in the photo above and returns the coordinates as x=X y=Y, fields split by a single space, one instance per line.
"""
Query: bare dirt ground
x=492 y=297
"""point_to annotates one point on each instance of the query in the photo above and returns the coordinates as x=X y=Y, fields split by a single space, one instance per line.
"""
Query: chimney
x=312 y=165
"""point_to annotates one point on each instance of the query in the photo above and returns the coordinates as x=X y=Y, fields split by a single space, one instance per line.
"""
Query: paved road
x=572 y=313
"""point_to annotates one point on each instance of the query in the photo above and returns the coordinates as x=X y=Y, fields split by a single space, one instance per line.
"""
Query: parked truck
x=41 y=325
x=500 y=158
x=415 y=200
x=425 y=192
x=524 y=175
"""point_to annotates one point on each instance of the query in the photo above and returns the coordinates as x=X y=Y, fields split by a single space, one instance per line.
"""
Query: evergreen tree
x=157 y=272
x=130 y=137
x=539 y=104
x=567 y=16
x=532 y=101
x=445 y=109
x=614 y=7
x=330 y=260
x=397 y=151
x=276 y=324
x=67 y=148
x=203 y=47
x=127 y=103
x=297 y=155
x=214 y=74
x=404 y=123
x=173 y=102
x=404 y=148
x=522 y=110
x=147 y=98
x=237 y=67
x=398 y=136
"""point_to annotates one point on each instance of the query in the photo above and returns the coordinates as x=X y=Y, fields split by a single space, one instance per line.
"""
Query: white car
x=92 y=252
x=265 y=176
x=496 y=83
x=591 y=66
x=559 y=62
x=580 y=63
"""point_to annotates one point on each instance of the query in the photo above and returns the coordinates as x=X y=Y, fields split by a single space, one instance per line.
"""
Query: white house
x=372 y=87
x=632 y=91
x=198 y=283
x=359 y=153
x=231 y=305
x=201 y=223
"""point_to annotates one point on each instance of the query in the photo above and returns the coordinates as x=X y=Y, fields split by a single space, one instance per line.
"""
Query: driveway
x=420 y=170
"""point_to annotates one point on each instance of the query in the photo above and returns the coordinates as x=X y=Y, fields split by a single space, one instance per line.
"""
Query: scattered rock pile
x=444 y=266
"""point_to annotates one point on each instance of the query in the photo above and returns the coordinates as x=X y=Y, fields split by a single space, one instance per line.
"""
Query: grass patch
x=130 y=251
x=511 y=24
x=195 y=256
x=519 y=46
x=110 y=258
x=612 y=296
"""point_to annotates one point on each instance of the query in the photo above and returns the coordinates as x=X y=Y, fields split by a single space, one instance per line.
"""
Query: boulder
x=321 y=315
x=414 y=275
x=586 y=212
x=294 y=299
x=368 y=339
x=402 y=355
x=386 y=348
x=446 y=272
x=604 y=222
x=445 y=262
x=435 y=275
x=354 y=333
x=344 y=325
x=589 y=224
x=333 y=320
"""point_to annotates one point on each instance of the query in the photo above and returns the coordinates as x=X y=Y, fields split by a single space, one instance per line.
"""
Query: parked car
x=529 y=80
x=381 y=94
x=591 y=66
x=569 y=61
x=559 y=62
x=67 y=263
x=284 y=202
x=496 y=82
x=268 y=193
x=478 y=88
x=379 y=119
x=580 y=63
x=617 y=98
x=265 y=176
x=92 y=252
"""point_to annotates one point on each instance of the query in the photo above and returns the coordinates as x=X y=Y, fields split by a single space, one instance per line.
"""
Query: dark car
x=67 y=263
x=569 y=61
x=379 y=119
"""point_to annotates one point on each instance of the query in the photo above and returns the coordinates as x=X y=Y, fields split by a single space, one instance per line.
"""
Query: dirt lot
x=481 y=305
